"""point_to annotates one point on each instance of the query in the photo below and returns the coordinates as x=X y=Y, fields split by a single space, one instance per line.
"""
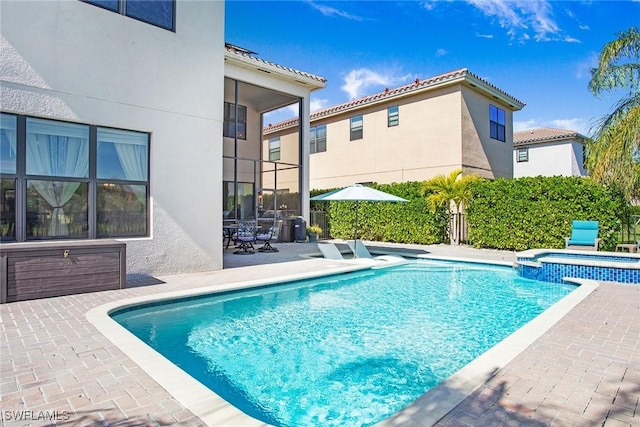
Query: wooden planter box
x=34 y=270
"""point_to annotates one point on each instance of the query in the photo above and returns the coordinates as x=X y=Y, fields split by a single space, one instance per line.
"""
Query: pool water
x=343 y=350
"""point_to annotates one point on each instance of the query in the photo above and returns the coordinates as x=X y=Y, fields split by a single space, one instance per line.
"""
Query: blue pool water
x=343 y=350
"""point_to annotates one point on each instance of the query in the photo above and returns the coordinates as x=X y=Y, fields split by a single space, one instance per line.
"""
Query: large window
x=274 y=149
x=356 y=128
x=160 y=13
x=318 y=139
x=73 y=180
x=497 y=123
x=233 y=126
x=393 y=116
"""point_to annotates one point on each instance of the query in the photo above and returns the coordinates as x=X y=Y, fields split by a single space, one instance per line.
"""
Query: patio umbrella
x=358 y=193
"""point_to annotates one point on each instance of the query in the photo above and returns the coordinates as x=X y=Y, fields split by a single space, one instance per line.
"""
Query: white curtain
x=61 y=150
x=8 y=135
x=132 y=151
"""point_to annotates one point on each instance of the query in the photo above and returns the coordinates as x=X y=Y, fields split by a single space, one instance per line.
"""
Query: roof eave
x=305 y=79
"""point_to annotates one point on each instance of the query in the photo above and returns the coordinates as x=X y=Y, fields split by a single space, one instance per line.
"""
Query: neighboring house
x=410 y=133
x=112 y=124
x=548 y=152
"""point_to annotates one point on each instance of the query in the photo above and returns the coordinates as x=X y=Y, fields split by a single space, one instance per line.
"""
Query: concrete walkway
x=585 y=371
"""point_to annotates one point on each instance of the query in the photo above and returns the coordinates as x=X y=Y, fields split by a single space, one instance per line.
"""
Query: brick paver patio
x=585 y=371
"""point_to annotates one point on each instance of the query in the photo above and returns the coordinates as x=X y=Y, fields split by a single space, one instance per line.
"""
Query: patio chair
x=361 y=251
x=245 y=236
x=330 y=251
x=584 y=235
x=266 y=237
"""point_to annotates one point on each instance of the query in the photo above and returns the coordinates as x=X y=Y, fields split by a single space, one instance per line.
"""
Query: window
x=274 y=149
x=160 y=13
x=393 y=116
x=523 y=154
x=74 y=180
x=497 y=123
x=356 y=128
x=230 y=123
x=318 y=139
x=8 y=147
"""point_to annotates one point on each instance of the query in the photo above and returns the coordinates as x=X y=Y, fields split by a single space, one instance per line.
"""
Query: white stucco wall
x=563 y=158
x=74 y=61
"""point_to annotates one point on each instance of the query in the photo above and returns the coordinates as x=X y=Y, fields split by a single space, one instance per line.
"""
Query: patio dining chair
x=266 y=237
x=245 y=236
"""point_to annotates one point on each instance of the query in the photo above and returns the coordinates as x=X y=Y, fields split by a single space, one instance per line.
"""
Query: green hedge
x=405 y=222
x=536 y=212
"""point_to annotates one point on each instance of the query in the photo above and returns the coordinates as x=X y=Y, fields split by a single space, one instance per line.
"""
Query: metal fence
x=320 y=218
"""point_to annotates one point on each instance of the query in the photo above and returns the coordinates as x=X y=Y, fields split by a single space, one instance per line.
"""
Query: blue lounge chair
x=584 y=235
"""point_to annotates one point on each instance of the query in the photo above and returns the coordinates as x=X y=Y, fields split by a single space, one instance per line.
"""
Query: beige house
x=410 y=133
x=548 y=152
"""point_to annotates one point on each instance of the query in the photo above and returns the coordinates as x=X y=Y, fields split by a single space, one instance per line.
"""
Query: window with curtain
x=72 y=180
x=122 y=175
x=497 y=123
x=318 y=139
x=230 y=125
x=355 y=128
x=57 y=153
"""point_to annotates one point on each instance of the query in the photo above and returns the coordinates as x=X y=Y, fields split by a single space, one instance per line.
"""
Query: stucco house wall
x=441 y=128
x=551 y=152
x=74 y=61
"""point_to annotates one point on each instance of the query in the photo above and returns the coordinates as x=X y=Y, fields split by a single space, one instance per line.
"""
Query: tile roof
x=462 y=74
x=539 y=135
x=248 y=55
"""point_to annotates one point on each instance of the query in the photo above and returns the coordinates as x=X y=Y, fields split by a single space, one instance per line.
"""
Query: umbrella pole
x=355 y=234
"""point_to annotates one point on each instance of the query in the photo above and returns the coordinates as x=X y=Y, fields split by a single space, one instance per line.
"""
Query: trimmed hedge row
x=405 y=222
x=512 y=214
x=536 y=212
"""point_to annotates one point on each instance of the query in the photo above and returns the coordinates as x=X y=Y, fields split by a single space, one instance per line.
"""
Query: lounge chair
x=268 y=236
x=584 y=235
x=330 y=251
x=360 y=251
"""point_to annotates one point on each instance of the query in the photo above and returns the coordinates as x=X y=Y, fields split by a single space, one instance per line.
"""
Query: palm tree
x=446 y=190
x=614 y=152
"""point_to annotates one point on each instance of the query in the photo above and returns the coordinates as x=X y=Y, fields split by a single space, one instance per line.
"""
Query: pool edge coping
x=213 y=410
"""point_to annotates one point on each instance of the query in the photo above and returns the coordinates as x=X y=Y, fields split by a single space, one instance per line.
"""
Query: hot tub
x=553 y=265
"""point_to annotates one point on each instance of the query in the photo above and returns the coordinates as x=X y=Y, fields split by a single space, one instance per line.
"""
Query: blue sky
x=540 y=52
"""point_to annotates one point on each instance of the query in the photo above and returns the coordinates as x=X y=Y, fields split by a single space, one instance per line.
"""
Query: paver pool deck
x=584 y=371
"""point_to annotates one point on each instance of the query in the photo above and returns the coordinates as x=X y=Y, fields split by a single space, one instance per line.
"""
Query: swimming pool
x=231 y=342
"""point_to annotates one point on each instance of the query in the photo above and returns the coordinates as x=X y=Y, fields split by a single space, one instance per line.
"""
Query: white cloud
x=318 y=104
x=570 y=39
x=583 y=68
x=520 y=17
x=360 y=82
x=441 y=52
x=484 y=36
x=332 y=11
x=585 y=27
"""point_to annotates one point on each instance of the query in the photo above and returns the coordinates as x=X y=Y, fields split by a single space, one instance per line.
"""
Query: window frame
x=274 y=151
x=316 y=141
x=121 y=9
x=231 y=125
x=22 y=179
x=356 y=131
x=522 y=154
x=497 y=124
x=393 y=116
